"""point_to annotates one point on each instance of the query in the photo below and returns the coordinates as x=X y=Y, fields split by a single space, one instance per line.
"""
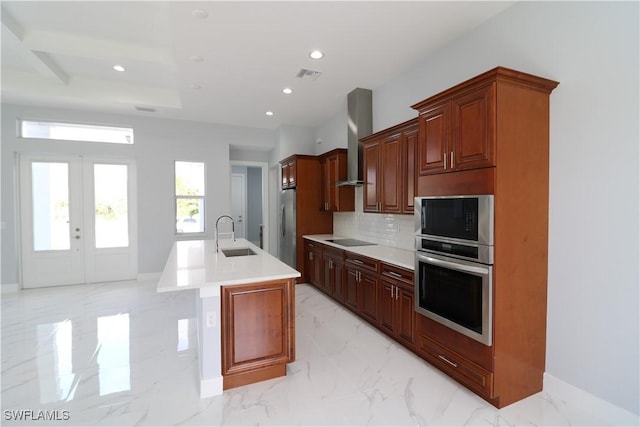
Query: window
x=74 y=132
x=189 y=197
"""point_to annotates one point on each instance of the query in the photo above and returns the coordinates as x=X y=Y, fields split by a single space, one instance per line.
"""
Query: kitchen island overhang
x=245 y=310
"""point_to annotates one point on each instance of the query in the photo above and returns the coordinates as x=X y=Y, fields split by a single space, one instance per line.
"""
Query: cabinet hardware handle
x=394 y=274
x=444 y=156
x=310 y=256
x=396 y=292
x=455 y=365
x=392 y=286
x=357 y=261
x=452 y=158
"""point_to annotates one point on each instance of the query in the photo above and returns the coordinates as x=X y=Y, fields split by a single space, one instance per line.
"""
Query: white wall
x=591 y=48
x=158 y=143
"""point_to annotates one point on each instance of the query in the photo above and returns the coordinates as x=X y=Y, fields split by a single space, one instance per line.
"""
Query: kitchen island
x=245 y=310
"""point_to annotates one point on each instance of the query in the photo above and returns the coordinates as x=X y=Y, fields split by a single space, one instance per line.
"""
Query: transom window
x=74 y=132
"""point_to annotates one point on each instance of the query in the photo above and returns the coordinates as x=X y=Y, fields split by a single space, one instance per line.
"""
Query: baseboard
x=210 y=387
x=600 y=408
x=149 y=276
x=10 y=288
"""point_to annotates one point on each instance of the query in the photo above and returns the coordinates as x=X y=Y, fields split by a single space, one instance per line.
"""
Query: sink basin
x=237 y=252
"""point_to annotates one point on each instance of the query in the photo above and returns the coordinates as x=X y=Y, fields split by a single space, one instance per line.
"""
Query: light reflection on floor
x=122 y=354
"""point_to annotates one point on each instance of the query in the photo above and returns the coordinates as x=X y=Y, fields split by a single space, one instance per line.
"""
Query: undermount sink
x=237 y=252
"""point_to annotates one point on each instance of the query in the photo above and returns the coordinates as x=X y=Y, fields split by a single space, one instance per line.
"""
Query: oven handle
x=457 y=265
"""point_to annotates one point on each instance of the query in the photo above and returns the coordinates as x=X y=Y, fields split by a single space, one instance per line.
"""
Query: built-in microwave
x=454 y=263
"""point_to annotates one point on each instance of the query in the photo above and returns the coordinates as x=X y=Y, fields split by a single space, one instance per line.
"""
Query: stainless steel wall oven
x=454 y=263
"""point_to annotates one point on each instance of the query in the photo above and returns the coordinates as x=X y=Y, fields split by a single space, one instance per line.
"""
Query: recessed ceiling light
x=269 y=113
x=200 y=13
x=287 y=90
x=196 y=58
x=195 y=87
x=118 y=68
x=316 y=54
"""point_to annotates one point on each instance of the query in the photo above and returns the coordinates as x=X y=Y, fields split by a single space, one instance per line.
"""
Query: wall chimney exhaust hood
x=360 y=124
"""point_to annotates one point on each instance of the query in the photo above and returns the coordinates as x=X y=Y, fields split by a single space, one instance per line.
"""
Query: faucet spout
x=233 y=229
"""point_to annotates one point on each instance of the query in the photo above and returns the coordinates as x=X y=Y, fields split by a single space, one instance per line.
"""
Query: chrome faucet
x=233 y=229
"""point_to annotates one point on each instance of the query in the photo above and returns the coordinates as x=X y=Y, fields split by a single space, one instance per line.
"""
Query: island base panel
x=254 y=376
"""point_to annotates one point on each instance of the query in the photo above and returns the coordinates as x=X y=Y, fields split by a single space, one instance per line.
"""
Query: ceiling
x=229 y=67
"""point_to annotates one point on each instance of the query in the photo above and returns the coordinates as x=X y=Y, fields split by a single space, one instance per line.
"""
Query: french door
x=78 y=220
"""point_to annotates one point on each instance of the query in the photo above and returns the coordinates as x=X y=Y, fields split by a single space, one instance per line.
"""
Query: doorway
x=250 y=190
x=78 y=220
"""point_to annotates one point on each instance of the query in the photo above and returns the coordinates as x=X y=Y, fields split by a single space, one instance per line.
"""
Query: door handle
x=283 y=222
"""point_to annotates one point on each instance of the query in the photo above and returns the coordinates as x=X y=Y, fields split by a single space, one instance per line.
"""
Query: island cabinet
x=362 y=282
x=389 y=169
x=396 y=309
x=334 y=170
x=257 y=331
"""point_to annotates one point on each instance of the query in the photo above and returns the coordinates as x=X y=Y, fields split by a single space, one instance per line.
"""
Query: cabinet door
x=473 y=116
x=338 y=281
x=386 y=314
x=329 y=279
x=308 y=262
x=371 y=153
x=317 y=278
x=257 y=325
x=368 y=289
x=292 y=174
x=405 y=317
x=351 y=288
x=285 y=175
x=390 y=175
x=409 y=168
x=433 y=139
x=332 y=175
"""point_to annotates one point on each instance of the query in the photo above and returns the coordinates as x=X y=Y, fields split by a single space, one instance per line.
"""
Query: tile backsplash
x=384 y=229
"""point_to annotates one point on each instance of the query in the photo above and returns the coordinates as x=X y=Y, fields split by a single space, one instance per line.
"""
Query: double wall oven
x=454 y=262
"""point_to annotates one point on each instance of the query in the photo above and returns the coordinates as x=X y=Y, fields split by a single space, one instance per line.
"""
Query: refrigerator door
x=287 y=234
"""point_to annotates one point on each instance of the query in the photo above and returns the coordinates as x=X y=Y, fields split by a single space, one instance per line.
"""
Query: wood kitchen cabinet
x=258 y=331
x=397 y=311
x=334 y=170
x=314 y=263
x=490 y=135
x=389 y=169
x=288 y=173
x=333 y=260
x=458 y=132
x=362 y=282
x=309 y=218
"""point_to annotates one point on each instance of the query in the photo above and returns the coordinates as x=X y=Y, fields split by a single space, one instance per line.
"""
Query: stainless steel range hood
x=360 y=124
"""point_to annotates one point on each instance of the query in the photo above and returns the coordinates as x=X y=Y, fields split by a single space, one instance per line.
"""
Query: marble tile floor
x=122 y=354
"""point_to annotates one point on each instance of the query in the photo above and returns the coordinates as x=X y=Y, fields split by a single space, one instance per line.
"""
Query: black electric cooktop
x=350 y=242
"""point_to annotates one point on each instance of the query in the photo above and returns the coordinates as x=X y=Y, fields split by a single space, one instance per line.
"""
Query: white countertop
x=396 y=256
x=195 y=264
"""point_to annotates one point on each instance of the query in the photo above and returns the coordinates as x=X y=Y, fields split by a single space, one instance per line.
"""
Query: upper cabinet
x=389 y=169
x=458 y=132
x=336 y=198
x=288 y=167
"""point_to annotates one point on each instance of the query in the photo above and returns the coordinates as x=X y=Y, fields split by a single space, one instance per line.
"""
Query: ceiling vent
x=145 y=109
x=308 y=74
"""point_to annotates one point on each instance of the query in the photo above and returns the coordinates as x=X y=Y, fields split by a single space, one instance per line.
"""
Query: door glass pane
x=111 y=209
x=50 y=190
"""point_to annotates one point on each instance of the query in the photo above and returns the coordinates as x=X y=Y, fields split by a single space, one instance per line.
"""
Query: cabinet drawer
x=464 y=371
x=361 y=261
x=336 y=254
x=399 y=274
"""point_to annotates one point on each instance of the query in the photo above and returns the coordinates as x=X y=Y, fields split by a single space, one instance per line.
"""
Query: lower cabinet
x=397 y=310
x=362 y=285
x=258 y=331
x=313 y=263
x=333 y=260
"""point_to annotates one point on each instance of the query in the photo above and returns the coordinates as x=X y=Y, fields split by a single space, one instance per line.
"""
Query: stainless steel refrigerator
x=287 y=235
